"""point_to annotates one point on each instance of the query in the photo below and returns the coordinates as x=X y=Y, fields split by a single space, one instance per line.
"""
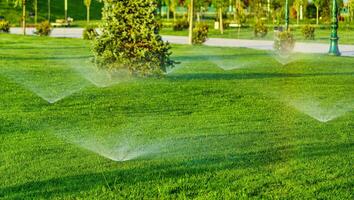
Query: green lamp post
x=286 y=15
x=333 y=49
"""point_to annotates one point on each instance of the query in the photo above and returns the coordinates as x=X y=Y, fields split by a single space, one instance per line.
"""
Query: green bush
x=180 y=25
x=200 y=33
x=260 y=30
x=44 y=28
x=130 y=40
x=89 y=33
x=4 y=26
x=284 y=42
x=308 y=32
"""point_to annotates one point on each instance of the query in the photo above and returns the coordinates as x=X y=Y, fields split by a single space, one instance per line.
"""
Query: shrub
x=260 y=30
x=130 y=40
x=200 y=33
x=180 y=25
x=308 y=32
x=89 y=33
x=44 y=28
x=284 y=42
x=4 y=26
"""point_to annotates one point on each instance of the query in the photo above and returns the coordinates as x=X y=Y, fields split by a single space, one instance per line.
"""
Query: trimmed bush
x=5 y=26
x=89 y=33
x=308 y=32
x=130 y=39
x=260 y=30
x=180 y=25
x=43 y=29
x=284 y=42
x=200 y=33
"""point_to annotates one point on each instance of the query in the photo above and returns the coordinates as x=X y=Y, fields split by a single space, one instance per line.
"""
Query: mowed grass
x=220 y=134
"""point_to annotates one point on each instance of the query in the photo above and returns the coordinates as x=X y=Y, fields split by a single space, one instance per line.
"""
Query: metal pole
x=333 y=49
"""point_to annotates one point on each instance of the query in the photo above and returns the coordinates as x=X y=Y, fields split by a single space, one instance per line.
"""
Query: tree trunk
x=190 y=38
x=48 y=10
x=198 y=16
x=221 y=24
x=24 y=17
x=174 y=15
x=298 y=16
x=88 y=14
x=35 y=11
x=317 y=13
x=168 y=13
x=235 y=12
x=66 y=9
x=268 y=8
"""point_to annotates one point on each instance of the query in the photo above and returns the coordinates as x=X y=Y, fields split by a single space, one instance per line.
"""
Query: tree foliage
x=130 y=39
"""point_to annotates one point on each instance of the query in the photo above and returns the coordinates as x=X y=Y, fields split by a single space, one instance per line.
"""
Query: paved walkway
x=346 y=50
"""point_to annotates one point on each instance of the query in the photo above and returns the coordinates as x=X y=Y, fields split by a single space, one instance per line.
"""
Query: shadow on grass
x=152 y=172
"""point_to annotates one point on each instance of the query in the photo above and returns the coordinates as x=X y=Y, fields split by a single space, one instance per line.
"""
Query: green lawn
x=257 y=130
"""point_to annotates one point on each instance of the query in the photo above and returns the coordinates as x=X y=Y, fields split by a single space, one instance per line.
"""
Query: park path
x=302 y=47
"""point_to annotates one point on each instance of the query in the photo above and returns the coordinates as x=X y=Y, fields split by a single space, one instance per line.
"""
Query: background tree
x=220 y=5
x=351 y=9
x=35 y=7
x=200 y=6
x=317 y=4
x=48 y=10
x=191 y=17
x=22 y=3
x=297 y=6
x=88 y=5
x=130 y=39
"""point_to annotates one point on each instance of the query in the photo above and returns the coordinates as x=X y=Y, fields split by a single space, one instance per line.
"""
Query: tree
x=88 y=5
x=48 y=10
x=66 y=9
x=220 y=5
x=299 y=6
x=130 y=39
x=22 y=3
x=191 y=15
x=35 y=6
x=351 y=9
x=317 y=4
x=171 y=6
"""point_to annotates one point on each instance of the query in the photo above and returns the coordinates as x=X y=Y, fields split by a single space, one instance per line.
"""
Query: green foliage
x=200 y=33
x=308 y=32
x=44 y=28
x=260 y=29
x=89 y=33
x=284 y=42
x=180 y=25
x=4 y=26
x=130 y=39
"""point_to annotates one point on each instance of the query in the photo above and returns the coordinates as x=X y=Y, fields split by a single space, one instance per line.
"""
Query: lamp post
x=286 y=15
x=333 y=49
